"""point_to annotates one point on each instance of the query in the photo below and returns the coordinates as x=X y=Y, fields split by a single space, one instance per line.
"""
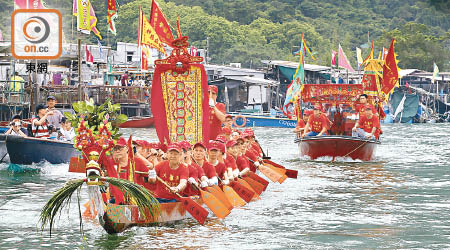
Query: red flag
x=390 y=71
x=89 y=57
x=333 y=57
x=343 y=61
x=159 y=22
x=111 y=15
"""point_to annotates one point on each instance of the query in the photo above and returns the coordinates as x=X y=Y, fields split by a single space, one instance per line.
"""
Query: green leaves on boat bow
x=147 y=204
x=95 y=116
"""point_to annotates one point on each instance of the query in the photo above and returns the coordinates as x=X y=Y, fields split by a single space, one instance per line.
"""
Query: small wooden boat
x=138 y=122
x=117 y=218
x=28 y=150
x=337 y=146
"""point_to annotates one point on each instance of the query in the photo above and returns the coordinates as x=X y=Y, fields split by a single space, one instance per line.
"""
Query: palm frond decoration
x=134 y=193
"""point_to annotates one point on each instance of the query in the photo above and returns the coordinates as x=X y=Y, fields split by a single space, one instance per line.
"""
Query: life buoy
x=243 y=123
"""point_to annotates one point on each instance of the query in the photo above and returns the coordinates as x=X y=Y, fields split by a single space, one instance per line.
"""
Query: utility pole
x=79 y=69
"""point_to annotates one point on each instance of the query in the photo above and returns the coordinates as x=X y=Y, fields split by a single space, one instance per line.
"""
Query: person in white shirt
x=15 y=128
x=67 y=133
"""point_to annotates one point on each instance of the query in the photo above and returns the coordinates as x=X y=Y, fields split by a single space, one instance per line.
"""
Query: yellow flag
x=148 y=34
x=359 y=56
x=84 y=16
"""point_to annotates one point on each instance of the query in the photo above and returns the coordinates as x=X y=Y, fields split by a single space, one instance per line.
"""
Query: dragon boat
x=337 y=146
x=138 y=122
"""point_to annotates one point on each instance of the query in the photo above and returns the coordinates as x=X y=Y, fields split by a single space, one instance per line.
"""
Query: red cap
x=174 y=146
x=162 y=146
x=199 y=144
x=221 y=138
x=231 y=143
x=228 y=116
x=318 y=106
x=214 y=145
x=185 y=145
x=213 y=88
x=249 y=132
x=141 y=143
x=307 y=112
x=121 y=142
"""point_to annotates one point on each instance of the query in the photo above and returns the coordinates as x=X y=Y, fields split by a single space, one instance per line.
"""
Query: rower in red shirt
x=241 y=160
x=216 y=113
x=198 y=160
x=363 y=103
x=173 y=172
x=317 y=123
x=214 y=148
x=230 y=159
x=368 y=125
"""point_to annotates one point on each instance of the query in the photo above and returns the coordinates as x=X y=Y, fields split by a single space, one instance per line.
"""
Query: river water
x=401 y=200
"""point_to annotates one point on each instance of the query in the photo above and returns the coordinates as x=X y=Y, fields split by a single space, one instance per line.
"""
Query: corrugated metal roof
x=253 y=80
x=405 y=72
x=288 y=64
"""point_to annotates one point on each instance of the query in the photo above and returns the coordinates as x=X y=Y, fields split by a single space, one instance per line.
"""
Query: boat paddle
x=247 y=185
x=215 y=204
x=232 y=196
x=263 y=182
x=258 y=187
x=289 y=172
x=273 y=175
x=219 y=194
x=196 y=210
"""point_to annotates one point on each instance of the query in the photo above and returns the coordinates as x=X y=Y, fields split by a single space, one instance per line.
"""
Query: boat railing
x=13 y=92
x=118 y=94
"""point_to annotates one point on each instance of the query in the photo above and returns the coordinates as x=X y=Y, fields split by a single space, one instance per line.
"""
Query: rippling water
x=401 y=200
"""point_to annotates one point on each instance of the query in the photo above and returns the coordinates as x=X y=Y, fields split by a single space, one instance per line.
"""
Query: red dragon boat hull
x=138 y=122
x=337 y=146
x=117 y=218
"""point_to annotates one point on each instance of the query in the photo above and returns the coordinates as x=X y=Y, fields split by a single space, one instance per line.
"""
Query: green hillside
x=247 y=31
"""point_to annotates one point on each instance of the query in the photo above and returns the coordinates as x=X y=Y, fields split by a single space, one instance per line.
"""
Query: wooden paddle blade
x=217 y=207
x=282 y=171
x=196 y=210
x=245 y=193
x=282 y=179
x=220 y=195
x=259 y=179
x=258 y=187
x=289 y=172
x=274 y=176
x=292 y=173
x=77 y=165
x=233 y=197
x=245 y=184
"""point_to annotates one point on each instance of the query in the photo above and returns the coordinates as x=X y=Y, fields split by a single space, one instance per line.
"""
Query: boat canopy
x=331 y=93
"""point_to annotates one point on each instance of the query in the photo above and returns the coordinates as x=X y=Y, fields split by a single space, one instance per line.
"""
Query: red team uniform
x=171 y=177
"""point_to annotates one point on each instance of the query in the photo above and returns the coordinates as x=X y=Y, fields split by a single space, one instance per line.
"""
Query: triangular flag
x=159 y=23
x=390 y=72
x=343 y=61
